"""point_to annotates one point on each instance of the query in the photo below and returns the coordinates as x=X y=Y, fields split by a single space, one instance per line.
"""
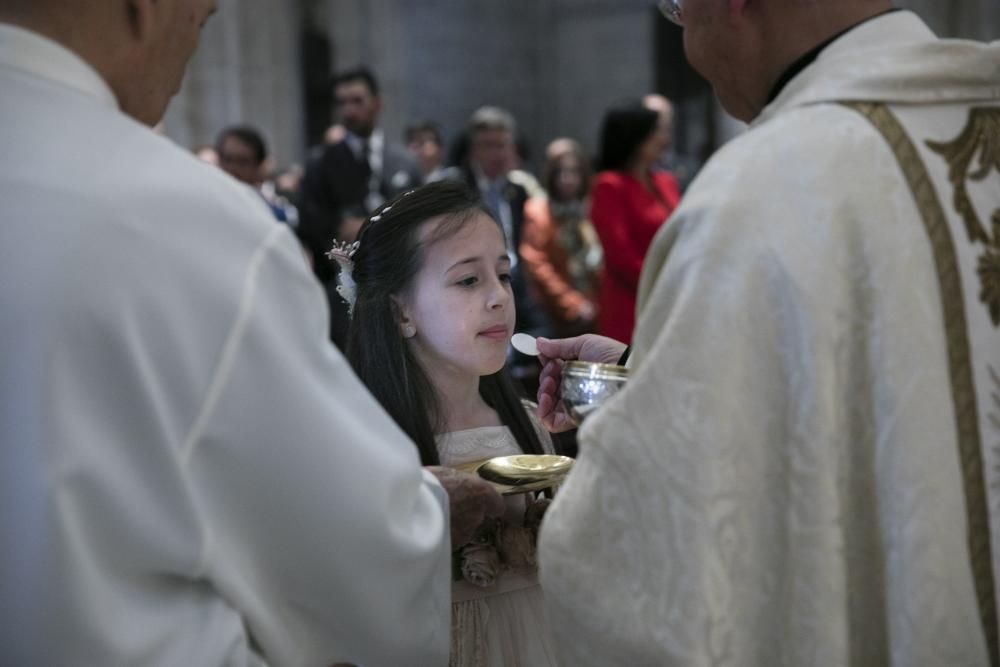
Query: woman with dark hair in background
x=630 y=200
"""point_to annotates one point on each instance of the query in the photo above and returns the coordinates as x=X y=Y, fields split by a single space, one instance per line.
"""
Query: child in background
x=432 y=317
x=559 y=247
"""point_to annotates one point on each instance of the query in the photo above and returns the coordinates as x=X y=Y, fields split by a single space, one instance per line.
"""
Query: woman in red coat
x=630 y=200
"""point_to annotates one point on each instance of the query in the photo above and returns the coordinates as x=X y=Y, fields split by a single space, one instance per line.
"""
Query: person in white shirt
x=804 y=466
x=191 y=473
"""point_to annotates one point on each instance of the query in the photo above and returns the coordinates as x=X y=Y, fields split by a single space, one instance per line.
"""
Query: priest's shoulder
x=154 y=211
x=197 y=195
x=786 y=193
x=797 y=166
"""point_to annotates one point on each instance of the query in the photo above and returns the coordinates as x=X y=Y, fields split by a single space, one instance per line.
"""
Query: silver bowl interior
x=586 y=386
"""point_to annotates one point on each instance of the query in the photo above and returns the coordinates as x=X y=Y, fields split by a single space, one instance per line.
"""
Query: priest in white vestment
x=804 y=468
x=191 y=474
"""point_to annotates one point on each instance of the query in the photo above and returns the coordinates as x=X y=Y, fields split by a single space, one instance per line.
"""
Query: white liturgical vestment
x=804 y=468
x=191 y=474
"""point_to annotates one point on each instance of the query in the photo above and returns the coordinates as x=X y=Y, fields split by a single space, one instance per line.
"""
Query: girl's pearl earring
x=409 y=331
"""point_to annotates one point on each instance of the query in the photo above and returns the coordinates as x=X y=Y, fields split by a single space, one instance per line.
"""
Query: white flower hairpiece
x=343 y=253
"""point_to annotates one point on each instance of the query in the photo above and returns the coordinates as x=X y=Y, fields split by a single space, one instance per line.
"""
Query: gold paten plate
x=525 y=472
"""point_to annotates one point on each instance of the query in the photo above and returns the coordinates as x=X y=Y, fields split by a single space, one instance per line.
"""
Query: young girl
x=432 y=317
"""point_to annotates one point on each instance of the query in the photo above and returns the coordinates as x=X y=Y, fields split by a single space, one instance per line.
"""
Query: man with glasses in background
x=804 y=468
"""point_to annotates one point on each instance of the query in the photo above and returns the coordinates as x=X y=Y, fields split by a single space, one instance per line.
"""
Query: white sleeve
x=323 y=530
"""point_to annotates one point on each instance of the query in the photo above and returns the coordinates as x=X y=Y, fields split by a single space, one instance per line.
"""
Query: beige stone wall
x=556 y=63
x=246 y=70
x=372 y=33
x=970 y=19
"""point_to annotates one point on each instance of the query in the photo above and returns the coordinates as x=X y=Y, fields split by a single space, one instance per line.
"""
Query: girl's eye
x=467 y=282
x=504 y=277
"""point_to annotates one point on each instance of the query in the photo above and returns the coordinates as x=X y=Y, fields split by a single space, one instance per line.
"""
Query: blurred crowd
x=577 y=230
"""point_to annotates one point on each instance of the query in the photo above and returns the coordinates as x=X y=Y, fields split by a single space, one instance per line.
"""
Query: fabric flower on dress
x=499 y=545
x=480 y=564
x=479 y=560
x=989 y=273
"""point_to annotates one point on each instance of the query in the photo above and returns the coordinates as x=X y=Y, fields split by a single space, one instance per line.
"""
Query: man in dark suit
x=351 y=177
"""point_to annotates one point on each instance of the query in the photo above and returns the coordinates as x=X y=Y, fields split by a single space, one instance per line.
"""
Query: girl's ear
x=401 y=313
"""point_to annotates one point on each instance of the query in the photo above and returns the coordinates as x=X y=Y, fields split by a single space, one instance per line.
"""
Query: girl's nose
x=500 y=296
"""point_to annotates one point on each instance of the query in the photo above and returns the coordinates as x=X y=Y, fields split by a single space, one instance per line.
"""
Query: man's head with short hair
x=139 y=47
x=492 y=133
x=359 y=74
x=424 y=140
x=423 y=129
x=743 y=47
x=242 y=152
x=357 y=101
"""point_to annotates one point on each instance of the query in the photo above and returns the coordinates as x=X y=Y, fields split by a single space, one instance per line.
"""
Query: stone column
x=372 y=33
x=246 y=70
x=969 y=19
x=600 y=53
x=555 y=64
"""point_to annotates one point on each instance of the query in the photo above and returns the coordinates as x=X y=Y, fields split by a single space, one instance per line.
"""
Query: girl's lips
x=495 y=333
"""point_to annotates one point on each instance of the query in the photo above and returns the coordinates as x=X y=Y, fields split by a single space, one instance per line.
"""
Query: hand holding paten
x=471 y=500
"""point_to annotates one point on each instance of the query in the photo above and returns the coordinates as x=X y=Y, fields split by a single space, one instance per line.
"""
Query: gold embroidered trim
x=959 y=361
x=981 y=136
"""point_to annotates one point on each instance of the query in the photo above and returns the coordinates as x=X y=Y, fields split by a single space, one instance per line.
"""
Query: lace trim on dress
x=476 y=443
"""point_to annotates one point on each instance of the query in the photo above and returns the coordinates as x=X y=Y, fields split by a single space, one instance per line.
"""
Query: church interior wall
x=556 y=64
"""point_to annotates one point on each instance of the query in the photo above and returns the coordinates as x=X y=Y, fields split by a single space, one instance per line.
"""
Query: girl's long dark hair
x=388 y=258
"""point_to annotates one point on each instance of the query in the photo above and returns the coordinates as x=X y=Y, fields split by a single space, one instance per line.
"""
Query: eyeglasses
x=672 y=10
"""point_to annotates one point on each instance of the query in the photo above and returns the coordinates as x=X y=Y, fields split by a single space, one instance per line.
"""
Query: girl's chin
x=492 y=368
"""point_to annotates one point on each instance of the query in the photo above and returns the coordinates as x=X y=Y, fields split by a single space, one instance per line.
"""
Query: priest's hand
x=553 y=353
x=471 y=500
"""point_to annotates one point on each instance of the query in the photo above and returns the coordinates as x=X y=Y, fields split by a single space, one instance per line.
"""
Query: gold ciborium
x=587 y=385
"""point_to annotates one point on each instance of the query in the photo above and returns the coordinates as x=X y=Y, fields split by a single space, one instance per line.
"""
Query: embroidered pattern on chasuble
x=994 y=414
x=981 y=135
